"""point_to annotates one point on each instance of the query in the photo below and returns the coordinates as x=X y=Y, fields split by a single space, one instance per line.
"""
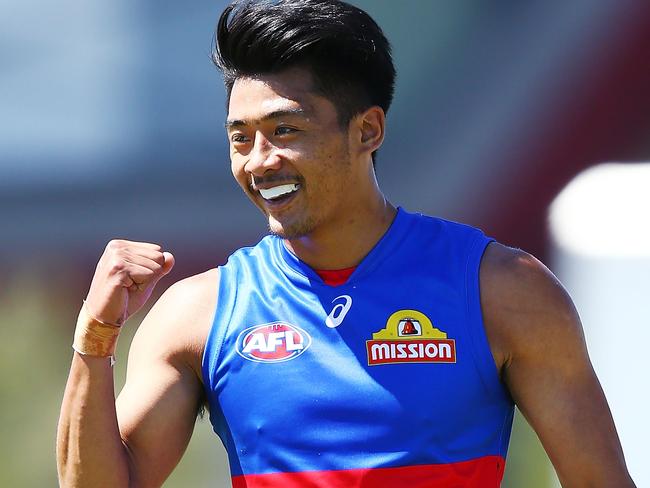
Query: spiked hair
x=342 y=47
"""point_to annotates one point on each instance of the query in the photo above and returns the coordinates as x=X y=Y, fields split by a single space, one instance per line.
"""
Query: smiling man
x=293 y=157
x=358 y=345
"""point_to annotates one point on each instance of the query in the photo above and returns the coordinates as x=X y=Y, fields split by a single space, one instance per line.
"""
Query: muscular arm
x=138 y=442
x=538 y=344
x=157 y=407
x=89 y=448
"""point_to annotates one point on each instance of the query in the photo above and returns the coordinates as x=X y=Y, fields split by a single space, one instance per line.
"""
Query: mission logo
x=272 y=343
x=410 y=337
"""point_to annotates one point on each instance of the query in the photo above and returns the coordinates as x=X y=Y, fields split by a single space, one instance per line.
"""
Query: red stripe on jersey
x=485 y=472
x=335 y=277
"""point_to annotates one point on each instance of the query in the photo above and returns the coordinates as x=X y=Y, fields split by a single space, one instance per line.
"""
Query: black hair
x=342 y=47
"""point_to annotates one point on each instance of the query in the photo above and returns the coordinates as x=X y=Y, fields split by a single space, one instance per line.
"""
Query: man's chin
x=290 y=230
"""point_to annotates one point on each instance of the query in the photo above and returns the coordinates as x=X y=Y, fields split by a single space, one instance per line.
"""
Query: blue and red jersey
x=385 y=380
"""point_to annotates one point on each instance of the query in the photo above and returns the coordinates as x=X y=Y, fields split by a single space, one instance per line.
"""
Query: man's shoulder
x=190 y=302
x=178 y=323
x=523 y=303
x=507 y=271
x=193 y=288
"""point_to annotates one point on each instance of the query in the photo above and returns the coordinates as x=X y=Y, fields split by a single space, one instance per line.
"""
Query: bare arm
x=157 y=407
x=99 y=445
x=538 y=344
x=89 y=448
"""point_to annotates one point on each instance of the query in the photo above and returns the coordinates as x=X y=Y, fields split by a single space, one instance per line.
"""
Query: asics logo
x=339 y=311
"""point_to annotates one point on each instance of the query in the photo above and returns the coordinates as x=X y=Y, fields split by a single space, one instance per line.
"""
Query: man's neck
x=345 y=243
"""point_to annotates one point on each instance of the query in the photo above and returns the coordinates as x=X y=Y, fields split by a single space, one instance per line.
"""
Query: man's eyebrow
x=231 y=124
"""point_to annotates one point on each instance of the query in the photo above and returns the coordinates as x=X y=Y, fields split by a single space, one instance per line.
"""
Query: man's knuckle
x=117 y=265
x=114 y=244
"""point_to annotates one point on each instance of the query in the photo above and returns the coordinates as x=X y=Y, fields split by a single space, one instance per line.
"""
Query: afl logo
x=272 y=343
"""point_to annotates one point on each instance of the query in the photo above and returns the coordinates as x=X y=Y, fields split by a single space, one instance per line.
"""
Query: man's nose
x=263 y=156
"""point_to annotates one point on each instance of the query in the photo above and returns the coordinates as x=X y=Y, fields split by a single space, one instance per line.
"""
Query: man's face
x=288 y=152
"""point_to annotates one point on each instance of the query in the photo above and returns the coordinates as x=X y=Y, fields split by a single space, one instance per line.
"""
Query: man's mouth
x=278 y=193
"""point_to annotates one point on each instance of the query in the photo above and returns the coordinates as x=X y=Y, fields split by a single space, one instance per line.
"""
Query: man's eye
x=238 y=138
x=284 y=130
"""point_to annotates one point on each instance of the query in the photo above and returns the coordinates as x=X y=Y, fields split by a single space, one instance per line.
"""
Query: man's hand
x=124 y=278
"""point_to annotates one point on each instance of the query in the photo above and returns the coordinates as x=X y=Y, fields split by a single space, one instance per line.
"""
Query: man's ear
x=370 y=125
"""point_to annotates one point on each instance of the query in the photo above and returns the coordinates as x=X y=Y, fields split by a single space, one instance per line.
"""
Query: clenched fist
x=124 y=278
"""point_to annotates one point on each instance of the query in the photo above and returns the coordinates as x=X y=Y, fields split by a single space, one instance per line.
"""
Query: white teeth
x=278 y=191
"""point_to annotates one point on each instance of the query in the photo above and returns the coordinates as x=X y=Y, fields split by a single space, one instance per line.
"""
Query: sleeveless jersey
x=384 y=381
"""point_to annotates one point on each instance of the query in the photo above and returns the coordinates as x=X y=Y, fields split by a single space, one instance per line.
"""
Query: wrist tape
x=93 y=337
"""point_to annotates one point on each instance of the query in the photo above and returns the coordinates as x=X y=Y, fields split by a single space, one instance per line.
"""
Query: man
x=358 y=345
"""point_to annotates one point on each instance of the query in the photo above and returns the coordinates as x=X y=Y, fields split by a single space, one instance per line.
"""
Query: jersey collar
x=382 y=250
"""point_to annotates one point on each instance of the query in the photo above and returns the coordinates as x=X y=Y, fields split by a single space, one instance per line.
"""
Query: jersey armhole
x=226 y=298
x=482 y=352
